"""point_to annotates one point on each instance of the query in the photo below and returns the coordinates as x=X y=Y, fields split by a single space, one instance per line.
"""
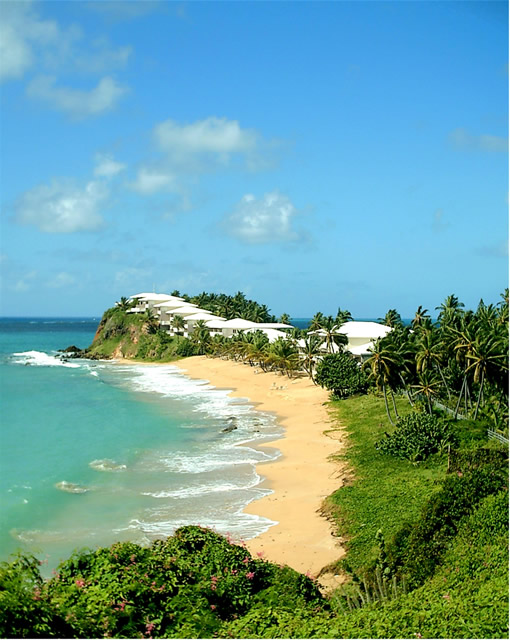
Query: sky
x=313 y=155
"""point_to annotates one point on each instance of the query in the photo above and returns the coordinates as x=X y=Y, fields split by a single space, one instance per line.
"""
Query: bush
x=341 y=374
x=185 y=348
x=416 y=437
x=186 y=586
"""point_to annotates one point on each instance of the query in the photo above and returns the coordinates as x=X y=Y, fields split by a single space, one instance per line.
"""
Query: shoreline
x=301 y=478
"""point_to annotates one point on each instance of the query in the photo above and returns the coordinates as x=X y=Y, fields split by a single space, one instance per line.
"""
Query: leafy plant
x=416 y=437
x=341 y=374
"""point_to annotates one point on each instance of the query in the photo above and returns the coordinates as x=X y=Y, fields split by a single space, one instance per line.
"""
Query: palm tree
x=178 y=324
x=450 y=311
x=124 y=303
x=316 y=322
x=310 y=352
x=332 y=338
x=427 y=386
x=283 y=355
x=342 y=316
x=486 y=354
x=151 y=322
x=384 y=364
x=419 y=317
x=201 y=337
x=285 y=318
x=392 y=319
x=430 y=354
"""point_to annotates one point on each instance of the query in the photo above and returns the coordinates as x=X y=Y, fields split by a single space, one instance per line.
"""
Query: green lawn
x=383 y=492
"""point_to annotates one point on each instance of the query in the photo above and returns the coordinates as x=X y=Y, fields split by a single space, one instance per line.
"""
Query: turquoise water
x=93 y=452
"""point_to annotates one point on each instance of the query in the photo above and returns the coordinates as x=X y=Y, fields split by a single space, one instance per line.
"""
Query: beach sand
x=302 y=477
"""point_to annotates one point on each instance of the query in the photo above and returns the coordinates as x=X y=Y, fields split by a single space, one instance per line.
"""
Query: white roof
x=186 y=310
x=174 y=302
x=154 y=296
x=239 y=323
x=217 y=323
x=202 y=316
x=369 y=330
x=275 y=325
x=272 y=334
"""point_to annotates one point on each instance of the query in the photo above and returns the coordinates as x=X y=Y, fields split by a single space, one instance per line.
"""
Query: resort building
x=361 y=336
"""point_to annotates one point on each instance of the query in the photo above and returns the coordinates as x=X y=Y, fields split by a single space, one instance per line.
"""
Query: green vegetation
x=417 y=436
x=341 y=374
x=137 y=336
x=423 y=515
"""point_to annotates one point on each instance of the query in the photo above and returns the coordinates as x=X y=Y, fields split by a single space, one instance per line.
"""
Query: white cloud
x=61 y=207
x=24 y=283
x=462 y=140
x=217 y=136
x=26 y=40
x=61 y=280
x=20 y=30
x=150 y=181
x=77 y=102
x=106 y=166
x=264 y=220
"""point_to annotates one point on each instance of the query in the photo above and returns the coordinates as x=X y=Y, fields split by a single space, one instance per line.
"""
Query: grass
x=384 y=492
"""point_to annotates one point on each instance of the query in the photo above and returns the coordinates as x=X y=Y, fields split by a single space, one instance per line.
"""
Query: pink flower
x=246 y=560
x=446 y=596
x=418 y=635
x=260 y=554
x=213 y=607
x=250 y=575
x=37 y=594
x=149 y=627
x=80 y=583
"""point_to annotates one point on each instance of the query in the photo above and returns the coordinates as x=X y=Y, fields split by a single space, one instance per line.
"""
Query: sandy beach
x=302 y=477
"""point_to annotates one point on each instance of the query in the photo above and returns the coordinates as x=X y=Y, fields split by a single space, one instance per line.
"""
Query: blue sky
x=313 y=155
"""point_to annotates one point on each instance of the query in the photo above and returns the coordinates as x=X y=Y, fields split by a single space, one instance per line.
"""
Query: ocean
x=93 y=452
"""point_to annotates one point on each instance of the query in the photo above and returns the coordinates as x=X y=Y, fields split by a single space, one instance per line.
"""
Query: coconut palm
x=420 y=316
x=384 y=364
x=151 y=322
x=342 y=316
x=485 y=355
x=332 y=339
x=310 y=353
x=201 y=337
x=316 y=322
x=428 y=385
x=178 y=324
x=450 y=312
x=284 y=356
x=284 y=318
x=430 y=355
x=392 y=319
x=125 y=303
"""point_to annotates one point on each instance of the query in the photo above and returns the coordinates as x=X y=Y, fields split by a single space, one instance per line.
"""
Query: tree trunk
x=406 y=390
x=460 y=397
x=479 y=395
x=444 y=382
x=394 y=405
x=386 y=405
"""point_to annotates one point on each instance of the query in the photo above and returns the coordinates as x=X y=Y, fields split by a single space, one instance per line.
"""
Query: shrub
x=416 y=437
x=185 y=348
x=341 y=374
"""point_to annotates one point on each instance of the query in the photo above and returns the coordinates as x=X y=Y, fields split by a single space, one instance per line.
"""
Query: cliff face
x=130 y=335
